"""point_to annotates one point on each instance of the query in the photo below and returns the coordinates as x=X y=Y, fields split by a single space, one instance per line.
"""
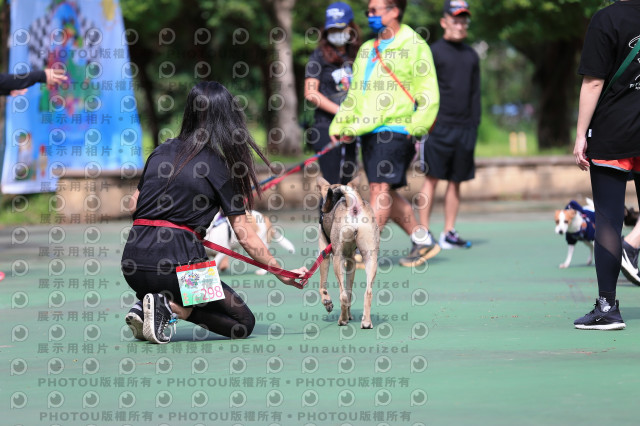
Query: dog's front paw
x=563 y=265
x=366 y=324
x=328 y=305
x=342 y=322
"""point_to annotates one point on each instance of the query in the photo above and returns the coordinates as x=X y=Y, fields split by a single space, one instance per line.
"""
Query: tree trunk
x=555 y=77
x=141 y=57
x=284 y=136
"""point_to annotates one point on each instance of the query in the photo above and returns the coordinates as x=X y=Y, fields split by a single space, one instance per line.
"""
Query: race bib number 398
x=199 y=283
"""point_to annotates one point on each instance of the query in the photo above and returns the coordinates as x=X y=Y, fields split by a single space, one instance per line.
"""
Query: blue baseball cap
x=456 y=7
x=339 y=15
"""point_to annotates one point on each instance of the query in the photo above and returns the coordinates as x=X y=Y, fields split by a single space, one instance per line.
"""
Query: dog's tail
x=352 y=199
x=590 y=205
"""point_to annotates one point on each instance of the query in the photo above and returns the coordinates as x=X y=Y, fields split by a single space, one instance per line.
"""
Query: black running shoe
x=451 y=240
x=630 y=263
x=134 y=320
x=602 y=317
x=157 y=316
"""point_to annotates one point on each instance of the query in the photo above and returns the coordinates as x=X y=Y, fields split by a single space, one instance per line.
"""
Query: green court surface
x=477 y=337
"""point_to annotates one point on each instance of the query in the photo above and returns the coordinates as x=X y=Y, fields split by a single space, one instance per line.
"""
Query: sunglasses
x=374 y=11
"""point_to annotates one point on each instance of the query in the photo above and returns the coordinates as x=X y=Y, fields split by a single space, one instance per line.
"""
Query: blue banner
x=89 y=125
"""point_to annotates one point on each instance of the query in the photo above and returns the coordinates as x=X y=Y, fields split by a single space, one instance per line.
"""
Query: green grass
x=24 y=209
x=494 y=141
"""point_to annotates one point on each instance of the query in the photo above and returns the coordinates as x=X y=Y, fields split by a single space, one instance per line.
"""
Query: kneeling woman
x=185 y=182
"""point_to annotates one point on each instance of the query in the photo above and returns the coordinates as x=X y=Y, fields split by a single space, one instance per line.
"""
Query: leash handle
x=273 y=269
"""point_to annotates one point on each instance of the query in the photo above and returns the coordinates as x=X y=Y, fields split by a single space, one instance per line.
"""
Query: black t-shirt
x=458 y=71
x=192 y=198
x=334 y=83
x=614 y=132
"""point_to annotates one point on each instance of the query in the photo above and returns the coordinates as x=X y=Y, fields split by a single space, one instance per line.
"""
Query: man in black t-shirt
x=607 y=135
x=448 y=151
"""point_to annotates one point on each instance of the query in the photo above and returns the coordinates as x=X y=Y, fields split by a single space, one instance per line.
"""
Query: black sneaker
x=157 y=315
x=451 y=240
x=134 y=320
x=630 y=263
x=602 y=317
x=420 y=253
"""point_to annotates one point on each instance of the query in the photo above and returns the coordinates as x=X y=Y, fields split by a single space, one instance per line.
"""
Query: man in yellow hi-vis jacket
x=393 y=98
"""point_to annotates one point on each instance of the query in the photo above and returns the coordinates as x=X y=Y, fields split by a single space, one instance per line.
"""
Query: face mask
x=375 y=23
x=338 y=39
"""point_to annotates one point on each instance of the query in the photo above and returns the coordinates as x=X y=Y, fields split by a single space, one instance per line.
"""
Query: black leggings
x=229 y=317
x=609 y=186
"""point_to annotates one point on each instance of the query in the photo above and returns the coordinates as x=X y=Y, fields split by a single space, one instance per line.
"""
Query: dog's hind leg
x=324 y=273
x=338 y=267
x=324 y=294
x=370 y=266
x=350 y=265
x=590 y=258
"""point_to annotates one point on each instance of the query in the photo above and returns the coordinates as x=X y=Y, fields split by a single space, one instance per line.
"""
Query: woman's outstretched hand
x=292 y=281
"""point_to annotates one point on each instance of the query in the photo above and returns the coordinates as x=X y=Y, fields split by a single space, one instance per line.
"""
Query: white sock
x=421 y=236
x=604 y=305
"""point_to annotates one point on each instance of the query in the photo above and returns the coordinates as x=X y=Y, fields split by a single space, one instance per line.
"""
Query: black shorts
x=338 y=165
x=448 y=152
x=387 y=156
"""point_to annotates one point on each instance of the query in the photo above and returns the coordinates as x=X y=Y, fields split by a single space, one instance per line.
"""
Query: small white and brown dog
x=577 y=223
x=221 y=233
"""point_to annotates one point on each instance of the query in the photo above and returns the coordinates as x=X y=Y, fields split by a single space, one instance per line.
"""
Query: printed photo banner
x=89 y=125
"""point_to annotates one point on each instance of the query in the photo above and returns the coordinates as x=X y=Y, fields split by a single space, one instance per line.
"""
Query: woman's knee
x=244 y=327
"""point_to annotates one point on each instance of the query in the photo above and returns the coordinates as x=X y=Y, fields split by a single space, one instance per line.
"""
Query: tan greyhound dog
x=347 y=222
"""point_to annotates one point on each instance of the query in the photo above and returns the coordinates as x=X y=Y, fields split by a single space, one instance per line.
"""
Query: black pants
x=229 y=317
x=609 y=186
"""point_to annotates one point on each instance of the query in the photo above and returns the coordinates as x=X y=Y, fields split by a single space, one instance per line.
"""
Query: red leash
x=274 y=180
x=213 y=246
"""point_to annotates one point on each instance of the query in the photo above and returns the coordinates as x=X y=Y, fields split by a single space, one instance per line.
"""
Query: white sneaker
x=629 y=266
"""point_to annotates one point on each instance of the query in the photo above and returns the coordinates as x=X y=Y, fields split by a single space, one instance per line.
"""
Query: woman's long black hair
x=214 y=118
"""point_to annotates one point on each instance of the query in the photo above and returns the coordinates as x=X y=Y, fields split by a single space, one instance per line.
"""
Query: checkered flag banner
x=90 y=123
x=44 y=35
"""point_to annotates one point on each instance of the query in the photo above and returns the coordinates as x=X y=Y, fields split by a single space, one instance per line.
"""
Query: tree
x=145 y=22
x=285 y=135
x=550 y=34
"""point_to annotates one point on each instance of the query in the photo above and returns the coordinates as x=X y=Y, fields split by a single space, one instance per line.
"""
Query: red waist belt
x=213 y=246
